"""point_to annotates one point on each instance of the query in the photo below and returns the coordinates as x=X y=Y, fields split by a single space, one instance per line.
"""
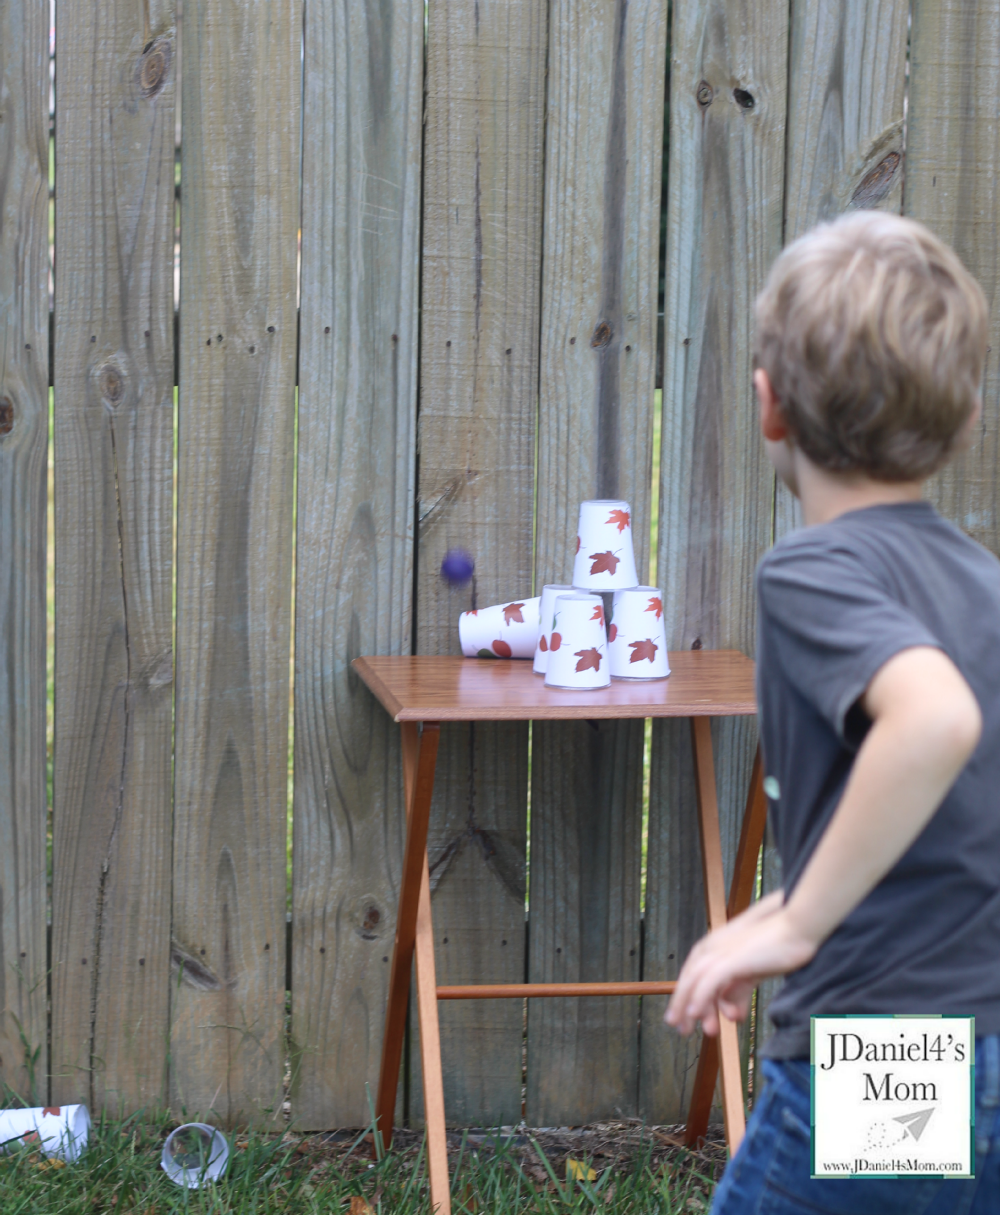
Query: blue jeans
x=769 y=1175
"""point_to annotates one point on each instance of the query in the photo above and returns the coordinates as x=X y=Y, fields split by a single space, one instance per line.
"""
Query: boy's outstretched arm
x=925 y=725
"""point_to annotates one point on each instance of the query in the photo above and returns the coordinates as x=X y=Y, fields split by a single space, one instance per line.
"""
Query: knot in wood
x=876 y=183
x=6 y=416
x=153 y=66
x=111 y=382
x=602 y=335
x=704 y=94
x=744 y=99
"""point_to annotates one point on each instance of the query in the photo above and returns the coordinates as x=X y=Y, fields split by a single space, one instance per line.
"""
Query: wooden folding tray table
x=425 y=691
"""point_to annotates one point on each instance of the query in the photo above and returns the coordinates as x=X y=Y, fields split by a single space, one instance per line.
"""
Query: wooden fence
x=477 y=191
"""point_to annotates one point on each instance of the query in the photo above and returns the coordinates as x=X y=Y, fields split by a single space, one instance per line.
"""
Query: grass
x=635 y=1170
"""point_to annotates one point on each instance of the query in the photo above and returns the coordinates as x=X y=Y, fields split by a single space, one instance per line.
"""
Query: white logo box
x=893 y=1096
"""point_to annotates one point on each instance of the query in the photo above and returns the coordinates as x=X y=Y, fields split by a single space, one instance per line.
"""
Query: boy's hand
x=725 y=966
x=925 y=725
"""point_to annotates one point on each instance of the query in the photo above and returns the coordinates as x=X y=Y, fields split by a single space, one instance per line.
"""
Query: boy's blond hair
x=873 y=335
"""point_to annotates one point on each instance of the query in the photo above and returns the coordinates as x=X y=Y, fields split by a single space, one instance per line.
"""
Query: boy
x=879 y=699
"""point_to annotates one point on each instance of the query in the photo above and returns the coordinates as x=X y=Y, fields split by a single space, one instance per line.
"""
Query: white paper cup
x=578 y=644
x=194 y=1154
x=54 y=1130
x=505 y=630
x=548 y=603
x=637 y=637
x=604 y=558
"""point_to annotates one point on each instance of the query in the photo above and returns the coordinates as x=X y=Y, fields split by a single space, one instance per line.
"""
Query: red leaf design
x=501 y=648
x=543 y=645
x=598 y=613
x=612 y=632
x=643 y=649
x=620 y=517
x=53 y=1109
x=474 y=612
x=656 y=605
x=604 y=563
x=589 y=659
x=578 y=544
x=555 y=641
x=512 y=612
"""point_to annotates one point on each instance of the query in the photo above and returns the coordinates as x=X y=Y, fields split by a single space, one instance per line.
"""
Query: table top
x=702 y=683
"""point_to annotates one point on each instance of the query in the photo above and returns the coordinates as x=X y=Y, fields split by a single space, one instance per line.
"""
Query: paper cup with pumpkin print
x=505 y=630
x=548 y=603
x=604 y=558
x=578 y=644
x=637 y=638
x=53 y=1130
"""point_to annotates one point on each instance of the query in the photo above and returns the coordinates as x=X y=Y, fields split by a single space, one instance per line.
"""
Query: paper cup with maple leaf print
x=637 y=638
x=504 y=630
x=604 y=558
x=53 y=1130
x=548 y=603
x=578 y=644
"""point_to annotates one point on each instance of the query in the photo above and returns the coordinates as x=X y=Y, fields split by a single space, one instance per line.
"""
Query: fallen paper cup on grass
x=578 y=644
x=637 y=637
x=505 y=630
x=194 y=1154
x=548 y=601
x=605 y=560
x=54 y=1130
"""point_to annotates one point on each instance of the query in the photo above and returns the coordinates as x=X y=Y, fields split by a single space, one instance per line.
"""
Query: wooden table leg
x=725 y=1047
x=419 y=758
x=430 y=1054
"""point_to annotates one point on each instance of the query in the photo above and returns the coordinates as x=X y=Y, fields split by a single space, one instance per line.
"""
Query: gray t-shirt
x=837 y=601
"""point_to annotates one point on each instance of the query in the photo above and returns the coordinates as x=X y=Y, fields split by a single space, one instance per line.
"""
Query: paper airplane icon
x=915 y=1123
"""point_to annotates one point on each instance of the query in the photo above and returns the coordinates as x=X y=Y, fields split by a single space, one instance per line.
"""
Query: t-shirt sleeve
x=832 y=626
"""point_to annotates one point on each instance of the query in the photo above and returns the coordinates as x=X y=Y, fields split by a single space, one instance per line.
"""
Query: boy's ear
x=772 y=421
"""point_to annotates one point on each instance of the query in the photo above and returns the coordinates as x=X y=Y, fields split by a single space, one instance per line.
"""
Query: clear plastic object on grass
x=194 y=1154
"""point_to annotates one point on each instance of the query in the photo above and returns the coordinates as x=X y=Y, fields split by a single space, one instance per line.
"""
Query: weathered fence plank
x=724 y=219
x=953 y=186
x=113 y=470
x=846 y=81
x=602 y=228
x=354 y=561
x=239 y=219
x=479 y=375
x=24 y=423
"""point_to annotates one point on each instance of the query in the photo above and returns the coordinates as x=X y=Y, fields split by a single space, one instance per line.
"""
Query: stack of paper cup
x=505 y=630
x=578 y=651
x=54 y=1130
x=604 y=557
x=548 y=603
x=637 y=639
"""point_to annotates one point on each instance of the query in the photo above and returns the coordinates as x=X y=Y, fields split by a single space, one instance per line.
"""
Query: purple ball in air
x=457 y=566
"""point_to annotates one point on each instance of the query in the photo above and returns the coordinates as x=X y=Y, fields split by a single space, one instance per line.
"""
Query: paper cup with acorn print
x=578 y=644
x=637 y=638
x=505 y=630
x=548 y=603
x=604 y=558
